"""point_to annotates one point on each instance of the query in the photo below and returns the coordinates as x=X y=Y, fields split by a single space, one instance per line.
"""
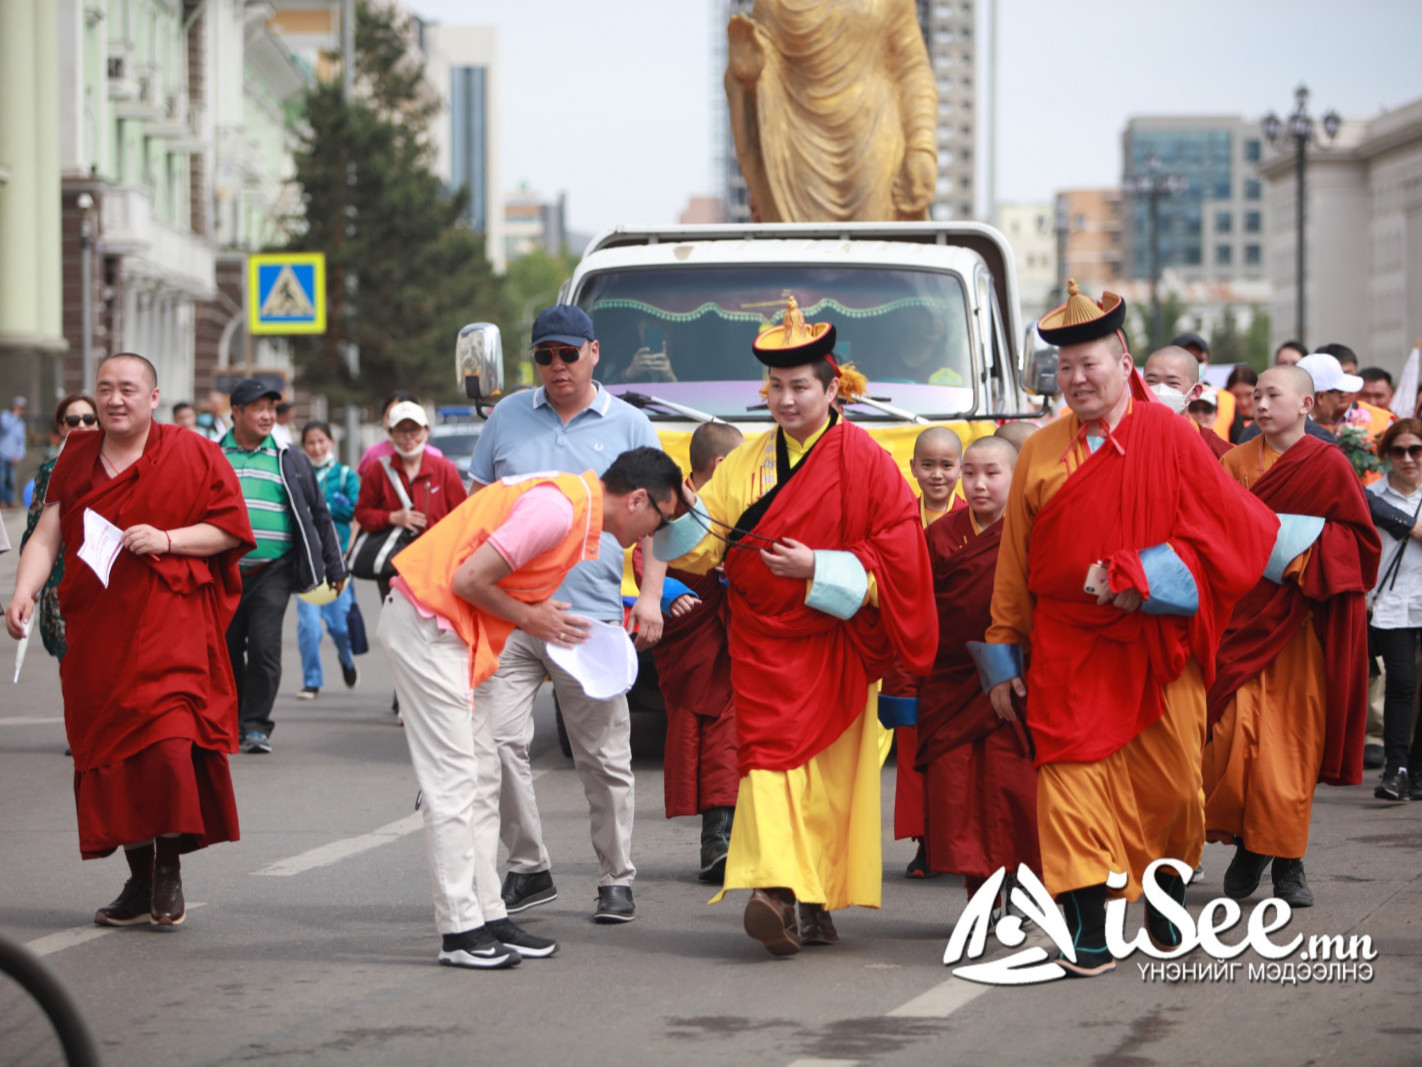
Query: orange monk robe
x=908 y=780
x=1271 y=743
x=1116 y=701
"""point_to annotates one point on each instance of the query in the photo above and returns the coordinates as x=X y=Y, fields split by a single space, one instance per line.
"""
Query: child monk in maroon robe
x=150 y=706
x=980 y=788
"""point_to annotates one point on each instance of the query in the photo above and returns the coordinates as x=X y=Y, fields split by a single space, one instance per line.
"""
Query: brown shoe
x=130 y=907
x=816 y=926
x=770 y=919
x=167 y=908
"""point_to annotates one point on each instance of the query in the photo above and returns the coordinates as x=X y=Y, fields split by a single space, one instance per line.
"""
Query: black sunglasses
x=74 y=420
x=1411 y=451
x=567 y=353
x=662 y=515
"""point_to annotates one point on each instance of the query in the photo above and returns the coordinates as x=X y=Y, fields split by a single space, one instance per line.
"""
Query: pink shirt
x=538 y=521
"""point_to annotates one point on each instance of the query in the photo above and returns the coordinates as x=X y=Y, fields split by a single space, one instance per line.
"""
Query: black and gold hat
x=794 y=342
x=1082 y=319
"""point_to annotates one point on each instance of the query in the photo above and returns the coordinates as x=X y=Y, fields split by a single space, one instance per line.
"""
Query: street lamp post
x=1153 y=184
x=1302 y=131
x=85 y=203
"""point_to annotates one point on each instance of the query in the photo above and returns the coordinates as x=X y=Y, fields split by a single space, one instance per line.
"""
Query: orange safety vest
x=1224 y=414
x=429 y=563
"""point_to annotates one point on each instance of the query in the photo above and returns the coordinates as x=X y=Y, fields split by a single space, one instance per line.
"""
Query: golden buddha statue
x=833 y=110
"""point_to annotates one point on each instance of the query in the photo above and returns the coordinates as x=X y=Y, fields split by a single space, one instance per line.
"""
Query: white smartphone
x=1098 y=579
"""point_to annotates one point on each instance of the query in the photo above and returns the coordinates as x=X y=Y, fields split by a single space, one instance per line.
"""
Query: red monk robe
x=1099 y=678
x=908 y=782
x=150 y=707
x=980 y=788
x=1326 y=594
x=1217 y=444
x=694 y=674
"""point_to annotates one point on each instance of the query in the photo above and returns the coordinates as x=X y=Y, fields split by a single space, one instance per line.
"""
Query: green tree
x=1256 y=339
x=531 y=284
x=1226 y=345
x=1171 y=312
x=404 y=272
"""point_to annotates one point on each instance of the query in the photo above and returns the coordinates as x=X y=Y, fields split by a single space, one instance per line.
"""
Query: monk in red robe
x=1288 y=708
x=699 y=767
x=980 y=788
x=150 y=707
x=1124 y=549
x=937 y=459
x=828 y=583
x=1173 y=374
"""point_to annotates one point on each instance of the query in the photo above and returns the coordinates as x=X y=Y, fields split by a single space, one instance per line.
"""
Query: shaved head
x=998 y=448
x=149 y=371
x=1014 y=433
x=1288 y=377
x=1174 y=366
x=938 y=437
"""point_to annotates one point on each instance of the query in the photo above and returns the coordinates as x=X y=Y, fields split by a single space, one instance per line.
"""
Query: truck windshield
x=684 y=334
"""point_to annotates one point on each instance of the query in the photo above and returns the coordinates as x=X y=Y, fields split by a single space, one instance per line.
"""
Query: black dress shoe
x=1289 y=884
x=816 y=926
x=614 y=904
x=1242 y=876
x=129 y=907
x=524 y=891
x=770 y=919
x=1393 y=786
x=1373 y=757
x=167 y=902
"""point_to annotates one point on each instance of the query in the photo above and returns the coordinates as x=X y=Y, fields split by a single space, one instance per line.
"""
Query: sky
x=616 y=103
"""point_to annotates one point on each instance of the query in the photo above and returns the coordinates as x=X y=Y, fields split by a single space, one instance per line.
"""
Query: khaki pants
x=600 y=732
x=456 y=764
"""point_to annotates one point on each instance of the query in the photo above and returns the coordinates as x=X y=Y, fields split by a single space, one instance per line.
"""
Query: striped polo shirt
x=259 y=472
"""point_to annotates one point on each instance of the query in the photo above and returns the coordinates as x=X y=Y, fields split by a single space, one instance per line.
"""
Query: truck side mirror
x=1039 y=365
x=479 y=361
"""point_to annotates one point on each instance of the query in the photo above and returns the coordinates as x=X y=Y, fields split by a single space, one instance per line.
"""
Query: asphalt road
x=312 y=941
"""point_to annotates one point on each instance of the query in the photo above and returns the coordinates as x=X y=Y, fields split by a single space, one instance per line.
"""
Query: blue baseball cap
x=564 y=324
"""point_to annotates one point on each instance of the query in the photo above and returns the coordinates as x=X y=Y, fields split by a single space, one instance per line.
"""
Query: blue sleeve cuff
x=1172 y=586
x=671 y=590
x=840 y=584
x=897 y=711
x=996 y=663
x=680 y=536
x=1296 y=534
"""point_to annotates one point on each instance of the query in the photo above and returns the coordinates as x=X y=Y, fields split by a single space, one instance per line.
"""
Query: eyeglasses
x=1410 y=451
x=665 y=522
x=74 y=420
x=567 y=353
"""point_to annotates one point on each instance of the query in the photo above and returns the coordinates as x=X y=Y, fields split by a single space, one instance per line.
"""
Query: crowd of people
x=1097 y=642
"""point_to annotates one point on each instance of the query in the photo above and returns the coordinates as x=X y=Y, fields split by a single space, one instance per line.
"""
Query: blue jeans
x=7 y=482
x=308 y=634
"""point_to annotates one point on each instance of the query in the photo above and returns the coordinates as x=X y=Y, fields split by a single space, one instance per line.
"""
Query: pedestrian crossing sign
x=286 y=293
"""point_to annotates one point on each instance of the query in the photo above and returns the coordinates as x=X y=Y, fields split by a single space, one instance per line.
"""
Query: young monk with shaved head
x=1289 y=704
x=980 y=788
x=1171 y=370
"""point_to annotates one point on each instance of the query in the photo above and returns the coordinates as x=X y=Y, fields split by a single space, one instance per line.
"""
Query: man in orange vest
x=487 y=567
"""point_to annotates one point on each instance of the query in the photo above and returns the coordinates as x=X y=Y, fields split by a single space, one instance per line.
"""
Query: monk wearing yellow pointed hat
x=828 y=583
x=1117 y=573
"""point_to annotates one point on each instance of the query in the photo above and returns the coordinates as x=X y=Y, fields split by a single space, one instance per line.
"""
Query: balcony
x=173 y=121
x=123 y=84
x=146 y=101
x=164 y=254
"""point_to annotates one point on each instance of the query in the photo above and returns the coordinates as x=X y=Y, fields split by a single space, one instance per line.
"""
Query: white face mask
x=1172 y=398
x=411 y=454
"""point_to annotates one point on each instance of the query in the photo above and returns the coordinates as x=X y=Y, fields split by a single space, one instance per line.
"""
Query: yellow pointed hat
x=1082 y=319
x=794 y=342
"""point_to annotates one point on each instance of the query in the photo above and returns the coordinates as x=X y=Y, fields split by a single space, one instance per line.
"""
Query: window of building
x=1252 y=221
x=1251 y=189
x=1252 y=255
x=1252 y=149
x=942 y=36
x=1224 y=255
x=1224 y=222
x=945 y=185
x=965 y=207
x=1190 y=255
x=1220 y=189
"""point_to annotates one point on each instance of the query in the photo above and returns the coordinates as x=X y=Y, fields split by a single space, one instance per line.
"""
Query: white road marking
x=941 y=1001
x=63 y=939
x=31 y=720
x=346 y=847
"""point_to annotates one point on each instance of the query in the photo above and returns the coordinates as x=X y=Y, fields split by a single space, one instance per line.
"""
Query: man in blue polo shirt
x=569 y=424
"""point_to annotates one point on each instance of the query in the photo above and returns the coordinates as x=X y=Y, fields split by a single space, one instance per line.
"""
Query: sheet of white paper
x=21 y=648
x=102 y=543
x=605 y=665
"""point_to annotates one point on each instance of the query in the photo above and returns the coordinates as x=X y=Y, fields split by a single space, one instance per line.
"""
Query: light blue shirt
x=12 y=436
x=525 y=435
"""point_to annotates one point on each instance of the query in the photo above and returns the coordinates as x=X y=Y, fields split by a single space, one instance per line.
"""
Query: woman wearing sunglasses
x=1395 y=624
x=75 y=412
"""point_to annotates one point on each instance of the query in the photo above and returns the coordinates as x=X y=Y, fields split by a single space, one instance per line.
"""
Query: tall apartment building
x=1089 y=229
x=1030 y=230
x=1213 y=231
x=949 y=33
